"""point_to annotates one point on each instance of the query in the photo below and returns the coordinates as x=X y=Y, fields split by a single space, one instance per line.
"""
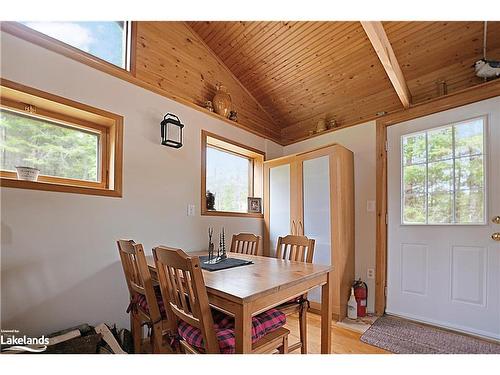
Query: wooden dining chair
x=245 y=243
x=299 y=249
x=146 y=306
x=200 y=328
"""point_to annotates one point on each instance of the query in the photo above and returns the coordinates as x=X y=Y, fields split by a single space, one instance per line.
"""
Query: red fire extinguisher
x=361 y=294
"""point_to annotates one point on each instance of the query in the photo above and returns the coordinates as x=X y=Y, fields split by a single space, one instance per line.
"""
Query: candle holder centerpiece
x=221 y=250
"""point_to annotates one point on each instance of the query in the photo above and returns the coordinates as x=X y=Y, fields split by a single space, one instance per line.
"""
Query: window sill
x=206 y=212
x=47 y=186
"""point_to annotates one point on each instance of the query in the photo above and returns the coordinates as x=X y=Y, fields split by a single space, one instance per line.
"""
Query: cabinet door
x=316 y=214
x=278 y=208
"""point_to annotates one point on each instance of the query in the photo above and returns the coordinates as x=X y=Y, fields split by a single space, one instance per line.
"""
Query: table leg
x=243 y=330
x=326 y=314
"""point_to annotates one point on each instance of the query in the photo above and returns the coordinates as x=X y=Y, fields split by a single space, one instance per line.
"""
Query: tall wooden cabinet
x=312 y=194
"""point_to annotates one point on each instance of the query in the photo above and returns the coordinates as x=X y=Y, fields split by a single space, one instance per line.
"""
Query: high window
x=109 y=41
x=76 y=148
x=443 y=175
x=231 y=173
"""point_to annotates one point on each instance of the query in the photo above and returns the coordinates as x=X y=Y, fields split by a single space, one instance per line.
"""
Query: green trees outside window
x=443 y=175
x=228 y=177
x=56 y=150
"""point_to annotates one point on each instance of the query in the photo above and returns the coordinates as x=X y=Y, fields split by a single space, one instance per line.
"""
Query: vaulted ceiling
x=286 y=77
x=301 y=72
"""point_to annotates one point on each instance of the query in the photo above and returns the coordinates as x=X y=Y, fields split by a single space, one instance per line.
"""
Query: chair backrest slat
x=137 y=275
x=189 y=288
x=183 y=290
x=245 y=243
x=295 y=248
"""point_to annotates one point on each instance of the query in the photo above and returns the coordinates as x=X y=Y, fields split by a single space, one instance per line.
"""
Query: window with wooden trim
x=231 y=173
x=75 y=148
x=109 y=41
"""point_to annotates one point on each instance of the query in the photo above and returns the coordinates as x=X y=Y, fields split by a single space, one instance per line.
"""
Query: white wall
x=360 y=140
x=59 y=262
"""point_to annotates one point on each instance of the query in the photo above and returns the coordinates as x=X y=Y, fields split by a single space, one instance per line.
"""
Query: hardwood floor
x=344 y=341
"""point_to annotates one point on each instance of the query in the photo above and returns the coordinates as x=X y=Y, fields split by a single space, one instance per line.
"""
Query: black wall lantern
x=171 y=131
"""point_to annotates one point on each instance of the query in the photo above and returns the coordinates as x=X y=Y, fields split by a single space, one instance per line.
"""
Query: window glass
x=440 y=144
x=106 y=40
x=56 y=150
x=469 y=138
x=443 y=177
x=228 y=177
x=414 y=149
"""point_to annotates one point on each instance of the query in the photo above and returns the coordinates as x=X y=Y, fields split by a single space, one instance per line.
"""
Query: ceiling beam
x=383 y=49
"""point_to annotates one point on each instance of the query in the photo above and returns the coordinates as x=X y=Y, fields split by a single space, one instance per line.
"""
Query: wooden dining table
x=248 y=290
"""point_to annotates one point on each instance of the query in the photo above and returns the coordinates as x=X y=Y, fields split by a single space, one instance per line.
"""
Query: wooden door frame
x=457 y=99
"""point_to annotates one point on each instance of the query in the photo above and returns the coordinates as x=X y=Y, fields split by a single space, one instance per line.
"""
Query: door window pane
x=443 y=175
x=106 y=40
x=440 y=176
x=414 y=209
x=469 y=207
x=415 y=179
x=440 y=208
x=469 y=138
x=56 y=150
x=469 y=173
x=414 y=149
x=440 y=144
x=228 y=177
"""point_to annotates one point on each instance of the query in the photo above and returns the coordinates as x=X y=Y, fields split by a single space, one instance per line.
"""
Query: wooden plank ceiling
x=286 y=76
x=170 y=56
x=301 y=72
x=429 y=52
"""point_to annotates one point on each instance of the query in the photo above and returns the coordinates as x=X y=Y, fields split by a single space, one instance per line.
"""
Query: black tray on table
x=223 y=264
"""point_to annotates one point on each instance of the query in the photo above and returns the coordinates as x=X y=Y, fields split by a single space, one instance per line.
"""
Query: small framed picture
x=254 y=205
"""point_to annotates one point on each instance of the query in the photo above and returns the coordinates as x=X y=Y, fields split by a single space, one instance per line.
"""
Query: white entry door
x=443 y=197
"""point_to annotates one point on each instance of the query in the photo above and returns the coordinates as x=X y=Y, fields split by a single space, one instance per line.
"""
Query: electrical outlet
x=370 y=273
x=190 y=210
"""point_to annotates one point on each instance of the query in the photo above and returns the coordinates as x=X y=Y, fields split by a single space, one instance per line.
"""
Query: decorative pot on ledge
x=27 y=173
x=321 y=126
x=222 y=101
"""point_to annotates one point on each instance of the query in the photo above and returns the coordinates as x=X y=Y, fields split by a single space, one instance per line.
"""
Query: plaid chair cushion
x=139 y=300
x=262 y=324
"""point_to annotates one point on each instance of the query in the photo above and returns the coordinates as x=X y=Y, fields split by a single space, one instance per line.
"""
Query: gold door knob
x=496 y=220
x=495 y=236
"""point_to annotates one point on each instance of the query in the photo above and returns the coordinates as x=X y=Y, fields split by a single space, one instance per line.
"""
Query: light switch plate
x=191 y=210
x=370 y=206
